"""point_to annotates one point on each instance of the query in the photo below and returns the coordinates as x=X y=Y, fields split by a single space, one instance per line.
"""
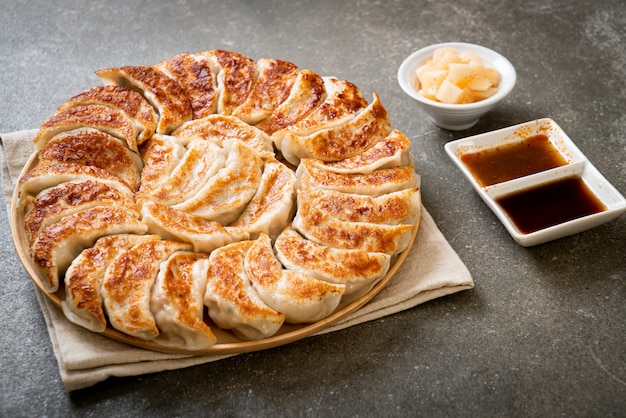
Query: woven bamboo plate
x=226 y=343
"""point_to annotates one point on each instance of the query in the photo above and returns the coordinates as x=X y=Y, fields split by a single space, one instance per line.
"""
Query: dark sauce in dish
x=510 y=161
x=550 y=204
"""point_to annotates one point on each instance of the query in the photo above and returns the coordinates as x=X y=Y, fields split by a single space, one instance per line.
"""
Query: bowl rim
x=409 y=65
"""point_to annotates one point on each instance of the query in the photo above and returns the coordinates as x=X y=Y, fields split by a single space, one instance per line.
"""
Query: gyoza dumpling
x=392 y=208
x=163 y=93
x=358 y=270
x=84 y=277
x=323 y=229
x=177 y=302
x=374 y=184
x=343 y=101
x=104 y=118
x=161 y=154
x=128 y=282
x=54 y=203
x=274 y=79
x=301 y=298
x=235 y=78
x=227 y=193
x=339 y=142
x=219 y=128
x=93 y=147
x=60 y=243
x=205 y=236
x=272 y=207
x=232 y=300
x=392 y=151
x=128 y=101
x=195 y=75
x=50 y=175
x=202 y=161
x=307 y=93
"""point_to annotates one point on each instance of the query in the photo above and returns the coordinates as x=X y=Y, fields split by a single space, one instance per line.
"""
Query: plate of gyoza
x=214 y=204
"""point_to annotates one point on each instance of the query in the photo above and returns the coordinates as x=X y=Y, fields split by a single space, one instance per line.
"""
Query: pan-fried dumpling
x=274 y=79
x=54 y=203
x=60 y=243
x=195 y=75
x=219 y=128
x=205 y=236
x=92 y=147
x=161 y=154
x=343 y=101
x=235 y=78
x=83 y=280
x=202 y=161
x=177 y=301
x=392 y=151
x=323 y=229
x=358 y=270
x=307 y=93
x=342 y=141
x=272 y=207
x=136 y=107
x=392 y=208
x=104 y=118
x=227 y=193
x=301 y=298
x=50 y=175
x=163 y=93
x=232 y=300
x=127 y=286
x=374 y=184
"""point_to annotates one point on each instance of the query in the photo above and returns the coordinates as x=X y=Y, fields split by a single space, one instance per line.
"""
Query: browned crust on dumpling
x=104 y=118
x=272 y=87
x=176 y=220
x=366 y=236
x=340 y=264
x=165 y=94
x=236 y=77
x=127 y=281
x=93 y=148
x=219 y=128
x=394 y=143
x=225 y=266
x=388 y=208
x=86 y=277
x=61 y=172
x=177 y=285
x=194 y=74
x=71 y=197
x=351 y=138
x=344 y=101
x=96 y=220
x=122 y=98
x=306 y=94
x=315 y=176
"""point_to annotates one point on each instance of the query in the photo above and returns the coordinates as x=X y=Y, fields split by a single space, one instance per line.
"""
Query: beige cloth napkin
x=431 y=270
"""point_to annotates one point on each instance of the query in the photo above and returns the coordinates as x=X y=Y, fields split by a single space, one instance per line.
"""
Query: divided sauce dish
x=535 y=206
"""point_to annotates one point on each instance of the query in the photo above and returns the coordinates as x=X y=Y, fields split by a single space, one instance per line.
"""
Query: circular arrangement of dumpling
x=214 y=191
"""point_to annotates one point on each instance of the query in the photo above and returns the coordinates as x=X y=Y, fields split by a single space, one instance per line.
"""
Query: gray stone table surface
x=543 y=333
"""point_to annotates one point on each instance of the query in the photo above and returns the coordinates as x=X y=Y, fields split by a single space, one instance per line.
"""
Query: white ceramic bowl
x=456 y=117
x=577 y=165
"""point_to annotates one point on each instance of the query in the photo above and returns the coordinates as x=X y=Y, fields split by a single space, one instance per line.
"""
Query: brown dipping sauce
x=550 y=204
x=510 y=161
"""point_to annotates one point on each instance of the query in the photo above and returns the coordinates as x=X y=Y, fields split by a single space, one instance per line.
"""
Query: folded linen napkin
x=432 y=269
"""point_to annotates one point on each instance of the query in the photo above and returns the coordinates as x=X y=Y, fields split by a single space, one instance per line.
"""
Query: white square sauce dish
x=536 y=181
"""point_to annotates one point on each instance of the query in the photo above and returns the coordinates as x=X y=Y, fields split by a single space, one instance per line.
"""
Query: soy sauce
x=550 y=204
x=510 y=161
